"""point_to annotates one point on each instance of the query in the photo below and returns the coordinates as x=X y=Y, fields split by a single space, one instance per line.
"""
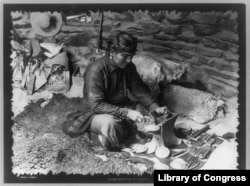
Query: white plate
x=178 y=163
x=138 y=148
x=162 y=152
x=151 y=146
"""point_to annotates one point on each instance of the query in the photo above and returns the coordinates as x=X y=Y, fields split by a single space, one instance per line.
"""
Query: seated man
x=110 y=82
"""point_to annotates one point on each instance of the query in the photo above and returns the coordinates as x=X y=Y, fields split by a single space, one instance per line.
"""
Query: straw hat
x=46 y=24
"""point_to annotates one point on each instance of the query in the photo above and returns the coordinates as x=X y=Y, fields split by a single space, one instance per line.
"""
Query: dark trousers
x=123 y=127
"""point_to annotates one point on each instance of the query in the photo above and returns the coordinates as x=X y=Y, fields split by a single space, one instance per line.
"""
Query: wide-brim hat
x=46 y=23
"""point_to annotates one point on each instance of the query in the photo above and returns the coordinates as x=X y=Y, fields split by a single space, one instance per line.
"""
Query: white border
x=127 y=1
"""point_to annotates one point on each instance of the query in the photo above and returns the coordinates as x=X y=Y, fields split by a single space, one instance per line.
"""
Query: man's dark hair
x=123 y=42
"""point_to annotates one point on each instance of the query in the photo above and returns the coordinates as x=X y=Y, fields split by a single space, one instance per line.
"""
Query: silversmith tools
x=205 y=154
x=199 y=132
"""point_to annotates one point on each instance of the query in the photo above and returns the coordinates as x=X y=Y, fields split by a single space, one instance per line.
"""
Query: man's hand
x=161 y=110
x=135 y=115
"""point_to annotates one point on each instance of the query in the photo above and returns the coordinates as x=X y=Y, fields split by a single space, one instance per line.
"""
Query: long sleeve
x=94 y=92
x=140 y=90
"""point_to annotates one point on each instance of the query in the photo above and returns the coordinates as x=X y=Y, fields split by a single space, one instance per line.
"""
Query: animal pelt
x=194 y=104
x=40 y=146
x=154 y=69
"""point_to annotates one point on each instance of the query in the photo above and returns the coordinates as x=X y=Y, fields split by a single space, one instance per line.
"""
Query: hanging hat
x=46 y=24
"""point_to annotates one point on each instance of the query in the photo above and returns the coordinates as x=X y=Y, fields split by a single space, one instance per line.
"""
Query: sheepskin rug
x=193 y=104
x=154 y=69
x=41 y=147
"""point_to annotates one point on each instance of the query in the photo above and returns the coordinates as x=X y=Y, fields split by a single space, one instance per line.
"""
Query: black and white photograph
x=109 y=93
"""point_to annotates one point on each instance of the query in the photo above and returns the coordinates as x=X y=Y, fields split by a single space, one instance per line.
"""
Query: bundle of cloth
x=40 y=66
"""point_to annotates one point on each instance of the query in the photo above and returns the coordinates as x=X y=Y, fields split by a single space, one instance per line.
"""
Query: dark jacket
x=110 y=90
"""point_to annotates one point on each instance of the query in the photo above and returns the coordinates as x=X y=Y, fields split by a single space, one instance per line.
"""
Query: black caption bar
x=204 y=177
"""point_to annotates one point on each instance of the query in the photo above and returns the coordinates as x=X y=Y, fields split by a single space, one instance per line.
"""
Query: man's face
x=122 y=59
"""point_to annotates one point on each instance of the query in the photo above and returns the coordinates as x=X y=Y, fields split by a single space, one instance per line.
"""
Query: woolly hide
x=41 y=147
x=153 y=69
x=194 y=104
